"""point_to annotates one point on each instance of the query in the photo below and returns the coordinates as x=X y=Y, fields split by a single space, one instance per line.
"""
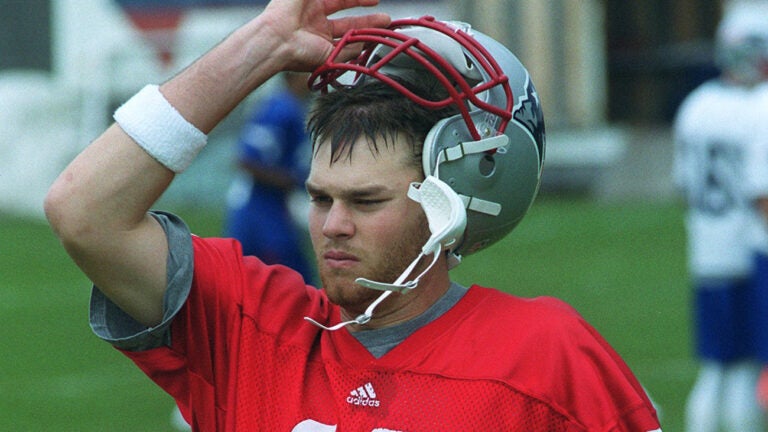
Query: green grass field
x=621 y=265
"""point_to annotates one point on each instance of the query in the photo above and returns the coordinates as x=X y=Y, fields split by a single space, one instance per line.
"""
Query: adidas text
x=363 y=396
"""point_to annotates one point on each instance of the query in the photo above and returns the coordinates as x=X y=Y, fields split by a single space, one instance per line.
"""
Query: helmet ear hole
x=487 y=165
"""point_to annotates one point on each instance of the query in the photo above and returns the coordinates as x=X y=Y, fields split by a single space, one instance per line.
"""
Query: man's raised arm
x=98 y=205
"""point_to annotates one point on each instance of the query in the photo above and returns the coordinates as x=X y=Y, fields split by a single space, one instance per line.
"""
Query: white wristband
x=160 y=129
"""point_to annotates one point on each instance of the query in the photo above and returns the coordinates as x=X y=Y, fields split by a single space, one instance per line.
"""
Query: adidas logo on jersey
x=364 y=395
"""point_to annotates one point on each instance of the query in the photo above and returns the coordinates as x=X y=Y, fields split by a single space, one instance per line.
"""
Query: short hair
x=373 y=110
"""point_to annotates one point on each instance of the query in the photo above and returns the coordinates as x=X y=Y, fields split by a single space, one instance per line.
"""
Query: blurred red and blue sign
x=190 y=4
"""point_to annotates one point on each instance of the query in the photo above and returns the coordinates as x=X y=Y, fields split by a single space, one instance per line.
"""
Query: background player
x=712 y=131
x=754 y=55
x=266 y=203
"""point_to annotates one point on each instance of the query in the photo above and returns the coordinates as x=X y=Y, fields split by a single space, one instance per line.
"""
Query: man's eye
x=368 y=202
x=320 y=200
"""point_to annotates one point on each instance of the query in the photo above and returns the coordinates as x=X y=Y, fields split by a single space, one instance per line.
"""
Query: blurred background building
x=610 y=73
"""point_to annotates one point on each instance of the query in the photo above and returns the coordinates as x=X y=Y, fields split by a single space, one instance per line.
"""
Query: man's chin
x=349 y=295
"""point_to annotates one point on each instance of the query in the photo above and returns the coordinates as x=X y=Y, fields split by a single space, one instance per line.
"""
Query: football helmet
x=492 y=151
x=741 y=42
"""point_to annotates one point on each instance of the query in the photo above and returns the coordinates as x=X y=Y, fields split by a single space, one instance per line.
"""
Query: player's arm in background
x=756 y=164
x=761 y=205
x=98 y=205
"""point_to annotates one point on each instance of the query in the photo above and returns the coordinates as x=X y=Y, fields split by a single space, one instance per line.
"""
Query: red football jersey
x=242 y=358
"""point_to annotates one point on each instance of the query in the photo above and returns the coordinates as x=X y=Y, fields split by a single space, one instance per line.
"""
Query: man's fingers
x=333 y=6
x=349 y=52
x=342 y=25
x=339 y=26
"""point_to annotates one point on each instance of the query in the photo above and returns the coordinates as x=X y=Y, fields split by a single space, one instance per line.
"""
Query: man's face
x=361 y=221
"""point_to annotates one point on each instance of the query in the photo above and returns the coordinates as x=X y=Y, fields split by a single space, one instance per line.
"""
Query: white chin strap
x=447 y=219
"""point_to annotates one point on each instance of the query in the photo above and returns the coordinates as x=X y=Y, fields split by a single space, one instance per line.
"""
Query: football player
x=428 y=145
x=713 y=130
x=273 y=160
x=755 y=65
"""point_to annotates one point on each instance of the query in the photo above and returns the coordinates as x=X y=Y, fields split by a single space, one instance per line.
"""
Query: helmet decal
x=527 y=113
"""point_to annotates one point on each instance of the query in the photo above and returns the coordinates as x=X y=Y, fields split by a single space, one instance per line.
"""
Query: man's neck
x=402 y=307
x=380 y=341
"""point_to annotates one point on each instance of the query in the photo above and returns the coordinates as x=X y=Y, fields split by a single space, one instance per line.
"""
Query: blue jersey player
x=273 y=154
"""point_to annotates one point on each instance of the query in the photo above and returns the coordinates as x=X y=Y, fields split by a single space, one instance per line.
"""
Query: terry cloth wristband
x=160 y=129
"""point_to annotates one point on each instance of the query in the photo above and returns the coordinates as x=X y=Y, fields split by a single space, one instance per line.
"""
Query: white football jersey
x=712 y=131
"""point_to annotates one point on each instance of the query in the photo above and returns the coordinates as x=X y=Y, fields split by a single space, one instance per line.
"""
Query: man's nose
x=338 y=221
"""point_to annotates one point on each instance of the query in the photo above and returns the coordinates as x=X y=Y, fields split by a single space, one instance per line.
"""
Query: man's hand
x=289 y=35
x=305 y=27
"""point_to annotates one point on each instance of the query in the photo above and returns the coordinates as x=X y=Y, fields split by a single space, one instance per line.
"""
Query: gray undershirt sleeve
x=111 y=324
